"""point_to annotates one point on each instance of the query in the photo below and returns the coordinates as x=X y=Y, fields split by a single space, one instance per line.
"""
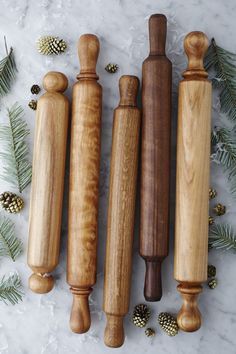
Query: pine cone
x=210 y=220
x=150 y=332
x=168 y=323
x=141 y=315
x=35 y=89
x=111 y=68
x=33 y=105
x=211 y=271
x=11 y=202
x=48 y=45
x=212 y=193
x=219 y=209
x=212 y=283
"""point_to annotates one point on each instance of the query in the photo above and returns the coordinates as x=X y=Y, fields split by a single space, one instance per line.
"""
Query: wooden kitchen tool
x=155 y=172
x=123 y=176
x=192 y=184
x=47 y=182
x=84 y=178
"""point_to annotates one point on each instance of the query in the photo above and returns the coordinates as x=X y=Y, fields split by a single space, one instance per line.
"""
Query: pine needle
x=10 y=289
x=224 y=64
x=221 y=236
x=10 y=245
x=17 y=170
x=7 y=72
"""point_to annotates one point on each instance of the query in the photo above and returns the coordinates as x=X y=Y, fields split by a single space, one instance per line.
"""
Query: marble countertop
x=40 y=324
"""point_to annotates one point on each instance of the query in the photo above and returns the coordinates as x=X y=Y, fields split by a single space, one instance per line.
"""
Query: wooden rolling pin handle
x=41 y=283
x=189 y=316
x=114 y=331
x=128 y=86
x=80 y=319
x=88 y=51
x=157 y=34
x=153 y=284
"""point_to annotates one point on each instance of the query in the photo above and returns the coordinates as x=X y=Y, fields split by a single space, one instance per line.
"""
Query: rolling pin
x=155 y=170
x=49 y=156
x=121 y=209
x=192 y=181
x=83 y=185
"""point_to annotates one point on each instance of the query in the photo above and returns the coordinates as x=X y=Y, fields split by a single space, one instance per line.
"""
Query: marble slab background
x=39 y=325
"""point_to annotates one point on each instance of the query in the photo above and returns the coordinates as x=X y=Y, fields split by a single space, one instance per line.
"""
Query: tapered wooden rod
x=192 y=181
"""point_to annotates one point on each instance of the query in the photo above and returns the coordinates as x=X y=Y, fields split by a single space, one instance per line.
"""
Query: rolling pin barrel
x=47 y=182
x=84 y=180
x=121 y=209
x=192 y=183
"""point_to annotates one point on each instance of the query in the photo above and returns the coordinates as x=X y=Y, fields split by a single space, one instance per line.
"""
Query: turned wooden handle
x=84 y=179
x=192 y=181
x=155 y=171
x=47 y=182
x=121 y=208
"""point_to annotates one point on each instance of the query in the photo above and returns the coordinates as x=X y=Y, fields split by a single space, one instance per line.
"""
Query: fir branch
x=224 y=147
x=221 y=236
x=7 y=72
x=10 y=289
x=224 y=64
x=10 y=245
x=17 y=170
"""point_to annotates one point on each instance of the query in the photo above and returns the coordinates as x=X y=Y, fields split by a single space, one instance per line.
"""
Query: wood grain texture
x=121 y=210
x=192 y=181
x=84 y=180
x=47 y=182
x=155 y=172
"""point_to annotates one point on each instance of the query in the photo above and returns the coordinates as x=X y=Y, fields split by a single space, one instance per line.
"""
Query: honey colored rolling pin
x=47 y=182
x=193 y=166
x=155 y=171
x=84 y=179
x=123 y=175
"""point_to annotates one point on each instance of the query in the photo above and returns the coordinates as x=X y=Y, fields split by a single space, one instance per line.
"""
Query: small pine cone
x=150 y=332
x=212 y=193
x=11 y=202
x=33 y=105
x=219 y=209
x=35 y=89
x=48 y=45
x=141 y=315
x=111 y=68
x=210 y=220
x=211 y=271
x=168 y=323
x=212 y=283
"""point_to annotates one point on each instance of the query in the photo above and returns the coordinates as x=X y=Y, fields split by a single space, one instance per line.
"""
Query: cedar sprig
x=222 y=236
x=7 y=71
x=17 y=170
x=10 y=245
x=11 y=289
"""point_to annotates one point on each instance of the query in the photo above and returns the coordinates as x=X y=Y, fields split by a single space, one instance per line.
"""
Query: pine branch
x=10 y=289
x=221 y=236
x=224 y=64
x=17 y=170
x=7 y=72
x=10 y=245
x=224 y=147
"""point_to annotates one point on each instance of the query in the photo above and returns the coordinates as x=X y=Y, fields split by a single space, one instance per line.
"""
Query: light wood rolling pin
x=192 y=184
x=155 y=171
x=121 y=209
x=84 y=180
x=47 y=182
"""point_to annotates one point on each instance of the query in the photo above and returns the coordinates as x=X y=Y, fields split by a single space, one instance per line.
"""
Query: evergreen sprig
x=224 y=64
x=10 y=289
x=7 y=71
x=224 y=147
x=221 y=236
x=17 y=170
x=10 y=245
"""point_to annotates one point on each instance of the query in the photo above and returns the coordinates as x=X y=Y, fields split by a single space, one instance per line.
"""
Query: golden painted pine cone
x=11 y=202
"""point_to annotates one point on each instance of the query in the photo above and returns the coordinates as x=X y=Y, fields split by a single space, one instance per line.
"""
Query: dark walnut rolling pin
x=121 y=209
x=84 y=179
x=155 y=171
x=192 y=184
x=47 y=182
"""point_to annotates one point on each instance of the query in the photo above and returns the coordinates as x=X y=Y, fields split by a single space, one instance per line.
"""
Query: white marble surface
x=39 y=325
